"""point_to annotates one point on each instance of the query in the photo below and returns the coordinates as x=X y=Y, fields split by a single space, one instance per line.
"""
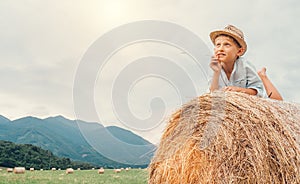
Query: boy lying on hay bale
x=230 y=138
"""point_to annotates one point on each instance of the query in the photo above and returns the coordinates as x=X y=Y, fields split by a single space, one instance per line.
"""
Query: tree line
x=30 y=156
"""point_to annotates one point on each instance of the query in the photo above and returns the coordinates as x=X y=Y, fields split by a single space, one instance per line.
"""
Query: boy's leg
x=271 y=90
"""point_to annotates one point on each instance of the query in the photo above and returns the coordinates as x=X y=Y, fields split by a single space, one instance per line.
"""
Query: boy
x=231 y=72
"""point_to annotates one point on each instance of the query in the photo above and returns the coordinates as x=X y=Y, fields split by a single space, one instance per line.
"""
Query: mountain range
x=79 y=140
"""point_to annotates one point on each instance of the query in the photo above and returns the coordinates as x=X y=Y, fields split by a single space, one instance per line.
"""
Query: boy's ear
x=240 y=52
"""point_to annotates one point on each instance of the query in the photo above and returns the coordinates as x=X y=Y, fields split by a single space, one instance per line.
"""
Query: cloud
x=42 y=43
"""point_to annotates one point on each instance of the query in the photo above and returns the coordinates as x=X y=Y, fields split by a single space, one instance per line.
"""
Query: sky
x=138 y=77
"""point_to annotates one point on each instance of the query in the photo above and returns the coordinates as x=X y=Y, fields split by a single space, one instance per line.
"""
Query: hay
x=69 y=171
x=19 y=170
x=117 y=170
x=229 y=138
x=101 y=171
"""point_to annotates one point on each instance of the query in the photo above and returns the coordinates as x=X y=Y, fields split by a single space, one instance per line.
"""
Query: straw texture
x=229 y=138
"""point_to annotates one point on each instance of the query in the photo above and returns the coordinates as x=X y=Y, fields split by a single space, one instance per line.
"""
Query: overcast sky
x=43 y=44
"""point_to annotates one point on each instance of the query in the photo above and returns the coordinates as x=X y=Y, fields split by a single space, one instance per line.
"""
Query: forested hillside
x=30 y=156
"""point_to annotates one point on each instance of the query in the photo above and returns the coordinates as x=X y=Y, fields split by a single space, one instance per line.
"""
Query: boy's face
x=226 y=50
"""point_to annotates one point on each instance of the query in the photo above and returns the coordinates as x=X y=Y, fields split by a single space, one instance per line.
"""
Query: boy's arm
x=249 y=91
x=215 y=81
x=216 y=66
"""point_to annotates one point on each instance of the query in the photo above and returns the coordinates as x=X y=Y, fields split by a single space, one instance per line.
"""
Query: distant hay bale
x=127 y=169
x=69 y=171
x=117 y=170
x=19 y=170
x=229 y=138
x=53 y=169
x=101 y=171
x=78 y=169
x=9 y=169
x=31 y=169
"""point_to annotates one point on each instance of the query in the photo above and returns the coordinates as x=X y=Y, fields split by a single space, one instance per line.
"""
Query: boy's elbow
x=212 y=89
x=254 y=91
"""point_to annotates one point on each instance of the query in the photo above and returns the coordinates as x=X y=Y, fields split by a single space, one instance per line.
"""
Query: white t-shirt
x=243 y=75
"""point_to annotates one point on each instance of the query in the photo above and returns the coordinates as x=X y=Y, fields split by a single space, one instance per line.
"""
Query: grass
x=133 y=176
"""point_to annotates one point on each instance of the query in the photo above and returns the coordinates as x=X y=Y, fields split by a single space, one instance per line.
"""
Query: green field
x=133 y=176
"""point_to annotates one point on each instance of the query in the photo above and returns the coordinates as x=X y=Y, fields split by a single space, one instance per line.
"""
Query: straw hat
x=232 y=31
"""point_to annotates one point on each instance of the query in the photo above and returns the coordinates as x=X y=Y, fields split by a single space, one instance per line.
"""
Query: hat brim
x=214 y=34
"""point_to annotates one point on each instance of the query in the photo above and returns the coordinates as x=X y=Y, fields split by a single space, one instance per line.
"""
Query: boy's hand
x=232 y=88
x=215 y=64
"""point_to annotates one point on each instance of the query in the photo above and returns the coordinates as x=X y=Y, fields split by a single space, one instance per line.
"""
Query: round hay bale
x=9 y=169
x=19 y=170
x=69 y=171
x=31 y=169
x=101 y=171
x=117 y=170
x=53 y=169
x=228 y=137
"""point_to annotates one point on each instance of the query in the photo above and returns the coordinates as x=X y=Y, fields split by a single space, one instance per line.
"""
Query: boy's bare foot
x=262 y=72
